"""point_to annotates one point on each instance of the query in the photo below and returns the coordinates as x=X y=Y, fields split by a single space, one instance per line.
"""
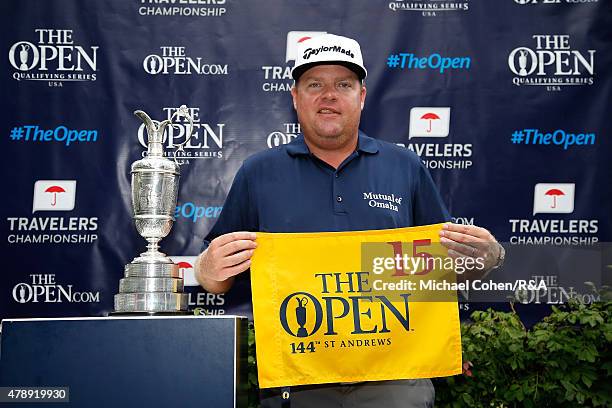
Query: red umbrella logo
x=304 y=39
x=183 y=264
x=54 y=190
x=554 y=192
x=430 y=116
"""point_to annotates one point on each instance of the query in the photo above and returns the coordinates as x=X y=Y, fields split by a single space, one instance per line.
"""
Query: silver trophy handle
x=183 y=111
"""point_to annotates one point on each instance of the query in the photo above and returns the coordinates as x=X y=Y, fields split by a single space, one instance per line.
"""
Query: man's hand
x=471 y=241
x=226 y=256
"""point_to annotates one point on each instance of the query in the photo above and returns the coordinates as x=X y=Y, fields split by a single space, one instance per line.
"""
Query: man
x=325 y=181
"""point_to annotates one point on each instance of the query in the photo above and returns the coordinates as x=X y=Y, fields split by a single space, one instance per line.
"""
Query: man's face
x=328 y=100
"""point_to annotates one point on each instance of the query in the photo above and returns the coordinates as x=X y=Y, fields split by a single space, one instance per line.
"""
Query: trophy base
x=150 y=302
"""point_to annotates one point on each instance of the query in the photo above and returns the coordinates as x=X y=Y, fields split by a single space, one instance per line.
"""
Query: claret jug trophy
x=152 y=283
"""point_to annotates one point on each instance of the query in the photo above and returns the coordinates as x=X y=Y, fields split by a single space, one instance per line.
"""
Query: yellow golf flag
x=340 y=307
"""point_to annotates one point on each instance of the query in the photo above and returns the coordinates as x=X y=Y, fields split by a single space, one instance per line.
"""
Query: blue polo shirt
x=288 y=189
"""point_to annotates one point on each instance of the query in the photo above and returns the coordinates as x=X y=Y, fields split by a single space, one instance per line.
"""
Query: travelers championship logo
x=277 y=78
x=44 y=289
x=206 y=141
x=552 y=63
x=187 y=8
x=53 y=195
x=53 y=57
x=175 y=61
x=289 y=132
x=434 y=123
x=554 y=198
x=429 y=8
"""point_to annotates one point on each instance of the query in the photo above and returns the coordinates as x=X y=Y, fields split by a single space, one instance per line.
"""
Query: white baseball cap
x=328 y=49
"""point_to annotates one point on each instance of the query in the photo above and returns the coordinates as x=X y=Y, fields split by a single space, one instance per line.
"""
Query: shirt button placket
x=337 y=194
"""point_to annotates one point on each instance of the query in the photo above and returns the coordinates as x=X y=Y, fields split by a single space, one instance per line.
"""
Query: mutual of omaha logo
x=386 y=201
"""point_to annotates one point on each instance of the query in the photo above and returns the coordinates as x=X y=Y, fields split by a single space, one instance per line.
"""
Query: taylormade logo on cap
x=329 y=49
x=335 y=48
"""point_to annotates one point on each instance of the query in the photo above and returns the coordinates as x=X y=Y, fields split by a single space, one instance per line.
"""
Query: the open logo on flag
x=320 y=317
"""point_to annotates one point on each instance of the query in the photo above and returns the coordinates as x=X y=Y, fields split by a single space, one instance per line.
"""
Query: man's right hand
x=226 y=256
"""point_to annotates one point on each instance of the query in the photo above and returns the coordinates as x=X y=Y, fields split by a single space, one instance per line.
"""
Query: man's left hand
x=470 y=241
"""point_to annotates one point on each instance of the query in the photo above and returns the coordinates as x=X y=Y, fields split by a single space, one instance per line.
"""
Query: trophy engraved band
x=152 y=283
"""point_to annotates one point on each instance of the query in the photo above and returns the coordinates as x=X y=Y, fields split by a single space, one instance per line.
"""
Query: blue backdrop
x=507 y=102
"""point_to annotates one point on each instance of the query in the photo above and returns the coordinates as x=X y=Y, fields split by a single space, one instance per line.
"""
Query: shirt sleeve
x=238 y=212
x=428 y=205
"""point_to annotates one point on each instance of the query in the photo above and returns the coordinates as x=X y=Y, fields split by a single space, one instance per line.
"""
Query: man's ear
x=363 y=96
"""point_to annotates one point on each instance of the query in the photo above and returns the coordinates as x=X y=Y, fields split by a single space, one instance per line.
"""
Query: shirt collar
x=365 y=144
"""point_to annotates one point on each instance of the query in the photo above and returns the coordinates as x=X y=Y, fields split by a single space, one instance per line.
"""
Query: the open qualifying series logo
x=277 y=78
x=42 y=288
x=206 y=141
x=54 y=58
x=429 y=8
x=289 y=132
x=554 y=198
x=552 y=63
x=434 y=122
x=174 y=61
x=187 y=8
x=53 y=195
